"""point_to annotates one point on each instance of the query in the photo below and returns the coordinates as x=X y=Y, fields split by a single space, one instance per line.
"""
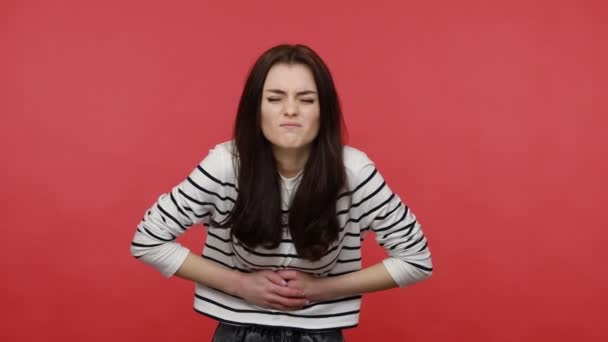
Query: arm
x=194 y=201
x=396 y=229
x=263 y=288
x=370 y=279
x=210 y=274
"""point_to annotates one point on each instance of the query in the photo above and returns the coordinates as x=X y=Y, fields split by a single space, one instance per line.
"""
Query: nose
x=291 y=108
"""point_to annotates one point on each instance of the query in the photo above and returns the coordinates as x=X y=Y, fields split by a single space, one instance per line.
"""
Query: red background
x=487 y=117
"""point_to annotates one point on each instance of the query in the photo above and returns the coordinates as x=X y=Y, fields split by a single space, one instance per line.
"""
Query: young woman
x=286 y=206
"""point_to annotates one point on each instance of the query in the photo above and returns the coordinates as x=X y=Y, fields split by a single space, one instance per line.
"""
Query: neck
x=290 y=161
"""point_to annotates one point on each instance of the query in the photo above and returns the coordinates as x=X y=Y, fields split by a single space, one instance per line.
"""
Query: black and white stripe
x=209 y=193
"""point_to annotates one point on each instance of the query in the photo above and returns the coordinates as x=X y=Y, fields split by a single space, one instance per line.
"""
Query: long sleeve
x=202 y=196
x=395 y=226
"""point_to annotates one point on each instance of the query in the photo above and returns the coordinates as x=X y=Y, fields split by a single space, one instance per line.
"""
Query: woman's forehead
x=290 y=78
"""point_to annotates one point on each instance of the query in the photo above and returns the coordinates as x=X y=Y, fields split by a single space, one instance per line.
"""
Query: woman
x=286 y=206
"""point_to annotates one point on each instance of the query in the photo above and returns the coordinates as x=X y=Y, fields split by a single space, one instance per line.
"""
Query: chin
x=291 y=145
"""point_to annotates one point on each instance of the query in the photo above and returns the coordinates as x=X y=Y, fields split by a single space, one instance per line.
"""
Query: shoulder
x=224 y=149
x=218 y=161
x=355 y=160
x=358 y=166
x=221 y=152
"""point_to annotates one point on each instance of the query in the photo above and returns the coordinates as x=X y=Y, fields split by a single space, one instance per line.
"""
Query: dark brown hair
x=256 y=218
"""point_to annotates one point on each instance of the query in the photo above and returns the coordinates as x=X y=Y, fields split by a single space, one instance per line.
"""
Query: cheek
x=266 y=117
x=315 y=122
x=270 y=130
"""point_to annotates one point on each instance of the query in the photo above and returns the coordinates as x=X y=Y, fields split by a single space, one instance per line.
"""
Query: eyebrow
x=282 y=92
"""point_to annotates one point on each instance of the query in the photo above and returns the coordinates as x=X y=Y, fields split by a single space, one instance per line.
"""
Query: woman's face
x=290 y=107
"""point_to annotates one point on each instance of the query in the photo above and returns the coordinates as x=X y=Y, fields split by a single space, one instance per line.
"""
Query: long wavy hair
x=256 y=218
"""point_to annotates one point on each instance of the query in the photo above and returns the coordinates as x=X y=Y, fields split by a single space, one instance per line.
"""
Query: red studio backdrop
x=488 y=118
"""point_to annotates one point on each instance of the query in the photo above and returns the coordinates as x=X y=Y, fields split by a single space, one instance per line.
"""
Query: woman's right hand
x=268 y=289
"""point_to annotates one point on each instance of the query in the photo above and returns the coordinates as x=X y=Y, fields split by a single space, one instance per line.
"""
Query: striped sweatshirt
x=208 y=195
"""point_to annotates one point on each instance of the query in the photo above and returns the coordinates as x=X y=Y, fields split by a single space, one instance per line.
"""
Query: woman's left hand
x=309 y=284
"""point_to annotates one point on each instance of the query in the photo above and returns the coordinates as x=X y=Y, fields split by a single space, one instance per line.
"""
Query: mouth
x=291 y=125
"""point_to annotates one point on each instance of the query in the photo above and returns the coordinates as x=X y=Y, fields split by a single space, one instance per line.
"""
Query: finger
x=297 y=285
x=292 y=303
x=275 y=278
x=288 y=292
x=288 y=274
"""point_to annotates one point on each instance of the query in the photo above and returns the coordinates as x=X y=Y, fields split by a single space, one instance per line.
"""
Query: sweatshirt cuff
x=178 y=259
